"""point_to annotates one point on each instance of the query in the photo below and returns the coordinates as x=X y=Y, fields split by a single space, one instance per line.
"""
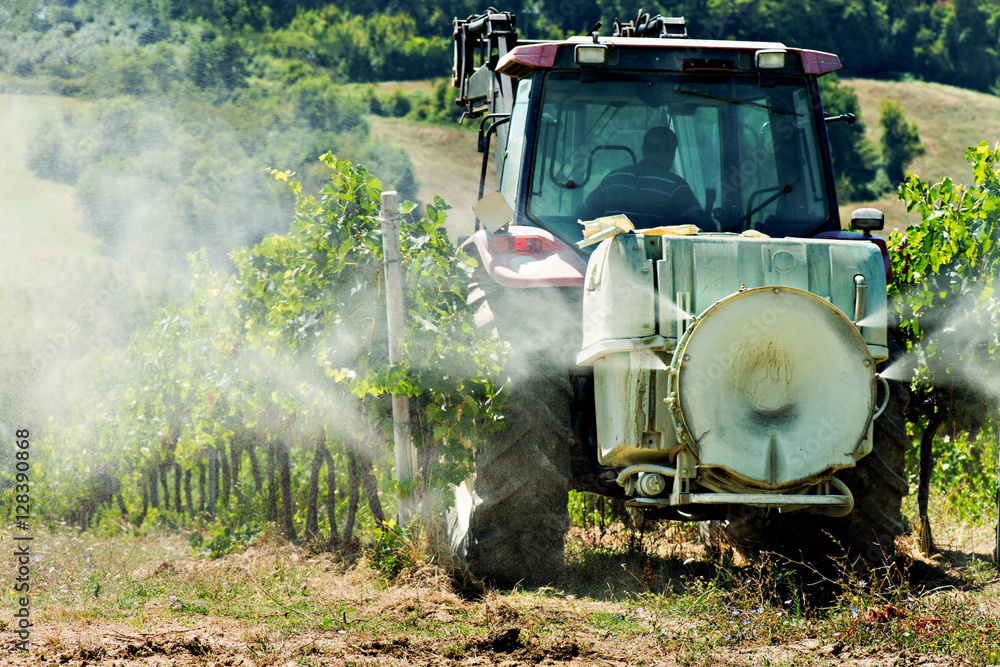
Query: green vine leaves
x=944 y=289
x=317 y=294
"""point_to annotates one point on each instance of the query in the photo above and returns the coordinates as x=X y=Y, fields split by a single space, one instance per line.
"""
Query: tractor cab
x=750 y=148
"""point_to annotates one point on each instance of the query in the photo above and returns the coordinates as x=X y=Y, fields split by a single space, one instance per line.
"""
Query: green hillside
x=63 y=303
x=949 y=120
x=946 y=117
x=445 y=162
x=39 y=216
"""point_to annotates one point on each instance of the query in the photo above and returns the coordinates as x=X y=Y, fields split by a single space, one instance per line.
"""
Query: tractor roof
x=525 y=58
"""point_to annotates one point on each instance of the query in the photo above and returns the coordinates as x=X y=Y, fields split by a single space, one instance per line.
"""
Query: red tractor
x=709 y=351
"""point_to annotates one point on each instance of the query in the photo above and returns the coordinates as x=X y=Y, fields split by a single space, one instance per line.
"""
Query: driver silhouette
x=649 y=192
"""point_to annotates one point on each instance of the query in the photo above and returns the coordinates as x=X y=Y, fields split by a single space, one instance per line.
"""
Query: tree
x=971 y=40
x=900 y=140
x=854 y=157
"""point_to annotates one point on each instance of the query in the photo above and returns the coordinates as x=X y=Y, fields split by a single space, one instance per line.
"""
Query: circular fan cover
x=776 y=386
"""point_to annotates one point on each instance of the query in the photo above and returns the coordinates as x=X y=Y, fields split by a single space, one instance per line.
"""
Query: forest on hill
x=954 y=41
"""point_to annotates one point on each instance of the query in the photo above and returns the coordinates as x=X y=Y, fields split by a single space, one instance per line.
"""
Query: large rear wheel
x=878 y=483
x=510 y=520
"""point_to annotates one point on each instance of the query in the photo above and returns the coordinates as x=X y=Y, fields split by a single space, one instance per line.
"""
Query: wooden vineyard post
x=394 y=305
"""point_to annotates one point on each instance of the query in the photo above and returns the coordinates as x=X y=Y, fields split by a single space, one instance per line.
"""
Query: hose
x=624 y=477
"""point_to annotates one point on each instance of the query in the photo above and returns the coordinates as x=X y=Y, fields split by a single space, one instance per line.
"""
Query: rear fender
x=522 y=256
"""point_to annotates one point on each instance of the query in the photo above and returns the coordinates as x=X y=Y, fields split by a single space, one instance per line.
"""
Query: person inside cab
x=649 y=192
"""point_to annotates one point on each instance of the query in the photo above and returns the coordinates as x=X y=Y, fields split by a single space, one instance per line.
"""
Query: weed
x=454 y=651
x=621 y=623
x=94 y=584
x=394 y=549
x=259 y=645
x=693 y=649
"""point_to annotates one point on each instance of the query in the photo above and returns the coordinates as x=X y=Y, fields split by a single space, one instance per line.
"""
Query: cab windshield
x=723 y=153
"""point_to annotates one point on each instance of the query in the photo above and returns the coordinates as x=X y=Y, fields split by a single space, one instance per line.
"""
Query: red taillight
x=527 y=244
x=509 y=244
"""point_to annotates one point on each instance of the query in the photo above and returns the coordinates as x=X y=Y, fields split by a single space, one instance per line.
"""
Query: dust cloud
x=90 y=258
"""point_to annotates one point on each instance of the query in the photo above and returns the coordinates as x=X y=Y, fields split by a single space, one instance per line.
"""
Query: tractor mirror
x=493 y=211
x=867 y=220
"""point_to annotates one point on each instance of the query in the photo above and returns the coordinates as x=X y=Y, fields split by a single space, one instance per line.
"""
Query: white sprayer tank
x=742 y=350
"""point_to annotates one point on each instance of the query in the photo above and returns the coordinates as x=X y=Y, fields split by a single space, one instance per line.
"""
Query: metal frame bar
x=757 y=499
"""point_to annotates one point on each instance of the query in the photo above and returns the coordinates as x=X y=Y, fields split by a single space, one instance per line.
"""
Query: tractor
x=693 y=334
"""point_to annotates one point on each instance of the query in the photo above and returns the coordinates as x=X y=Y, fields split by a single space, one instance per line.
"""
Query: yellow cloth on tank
x=595 y=231
x=671 y=230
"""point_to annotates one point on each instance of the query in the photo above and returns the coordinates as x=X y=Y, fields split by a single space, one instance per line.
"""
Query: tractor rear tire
x=879 y=484
x=510 y=526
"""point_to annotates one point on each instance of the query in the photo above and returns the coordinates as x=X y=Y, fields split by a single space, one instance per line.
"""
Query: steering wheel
x=590 y=165
x=755 y=193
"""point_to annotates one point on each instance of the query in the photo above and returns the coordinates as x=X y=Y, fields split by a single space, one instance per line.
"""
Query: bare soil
x=241 y=610
x=217 y=642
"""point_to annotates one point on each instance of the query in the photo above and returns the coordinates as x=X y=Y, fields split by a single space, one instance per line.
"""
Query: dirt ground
x=218 y=642
x=352 y=614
